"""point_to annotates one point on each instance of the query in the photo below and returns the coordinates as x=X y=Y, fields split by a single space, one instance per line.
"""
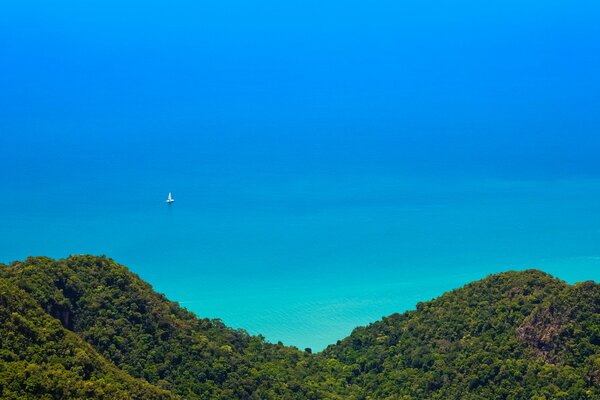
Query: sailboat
x=170 y=198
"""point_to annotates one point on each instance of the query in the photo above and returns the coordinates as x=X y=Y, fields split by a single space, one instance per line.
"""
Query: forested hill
x=86 y=327
x=39 y=359
x=515 y=335
x=154 y=339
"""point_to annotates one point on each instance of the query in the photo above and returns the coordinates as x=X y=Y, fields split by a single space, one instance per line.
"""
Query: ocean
x=305 y=260
x=331 y=163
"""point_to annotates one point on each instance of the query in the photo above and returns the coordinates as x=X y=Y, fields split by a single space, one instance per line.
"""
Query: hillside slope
x=515 y=335
x=39 y=359
x=86 y=327
x=149 y=337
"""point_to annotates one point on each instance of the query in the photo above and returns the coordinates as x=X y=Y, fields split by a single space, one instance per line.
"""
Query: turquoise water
x=331 y=161
x=305 y=260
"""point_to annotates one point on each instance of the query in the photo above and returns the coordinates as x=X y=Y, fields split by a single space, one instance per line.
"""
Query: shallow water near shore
x=305 y=262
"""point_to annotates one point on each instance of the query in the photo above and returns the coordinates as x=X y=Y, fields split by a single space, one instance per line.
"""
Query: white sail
x=170 y=198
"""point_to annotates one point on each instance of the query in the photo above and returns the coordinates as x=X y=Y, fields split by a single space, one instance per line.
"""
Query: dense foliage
x=516 y=335
x=149 y=337
x=39 y=359
x=86 y=327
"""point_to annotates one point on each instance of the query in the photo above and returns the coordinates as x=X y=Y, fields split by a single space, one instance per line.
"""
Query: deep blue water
x=332 y=162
